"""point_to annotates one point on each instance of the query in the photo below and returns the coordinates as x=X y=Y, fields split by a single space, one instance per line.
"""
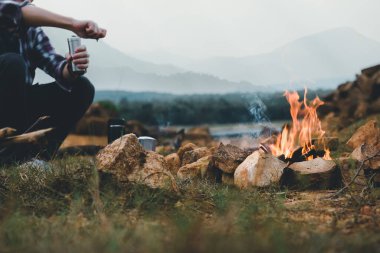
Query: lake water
x=242 y=135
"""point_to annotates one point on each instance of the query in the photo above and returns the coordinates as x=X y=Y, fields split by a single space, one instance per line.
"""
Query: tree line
x=205 y=109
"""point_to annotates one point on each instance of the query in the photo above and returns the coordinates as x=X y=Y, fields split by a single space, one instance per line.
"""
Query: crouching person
x=24 y=47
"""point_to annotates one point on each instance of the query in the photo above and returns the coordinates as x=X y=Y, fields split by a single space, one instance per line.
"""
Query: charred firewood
x=23 y=146
x=297 y=156
x=7 y=132
x=28 y=138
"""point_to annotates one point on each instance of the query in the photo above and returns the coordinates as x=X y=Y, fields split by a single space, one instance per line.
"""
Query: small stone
x=195 y=170
x=194 y=155
x=366 y=210
x=185 y=148
x=173 y=162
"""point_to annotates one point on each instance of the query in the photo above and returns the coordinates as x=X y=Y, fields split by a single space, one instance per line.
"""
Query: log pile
x=14 y=146
x=353 y=100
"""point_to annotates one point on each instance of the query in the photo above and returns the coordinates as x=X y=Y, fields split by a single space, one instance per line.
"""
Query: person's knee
x=85 y=90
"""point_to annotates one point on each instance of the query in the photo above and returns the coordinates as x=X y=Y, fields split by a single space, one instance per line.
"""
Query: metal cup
x=74 y=42
x=116 y=129
x=148 y=143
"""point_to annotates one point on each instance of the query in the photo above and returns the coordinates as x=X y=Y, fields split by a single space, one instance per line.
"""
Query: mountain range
x=321 y=60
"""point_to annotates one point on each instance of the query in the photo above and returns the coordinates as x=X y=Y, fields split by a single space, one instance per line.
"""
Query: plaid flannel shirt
x=29 y=42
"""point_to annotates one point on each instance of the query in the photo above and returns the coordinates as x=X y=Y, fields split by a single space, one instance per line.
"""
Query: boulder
x=173 y=162
x=127 y=161
x=228 y=157
x=368 y=152
x=154 y=172
x=259 y=169
x=194 y=155
x=185 y=148
x=366 y=134
x=314 y=174
x=195 y=170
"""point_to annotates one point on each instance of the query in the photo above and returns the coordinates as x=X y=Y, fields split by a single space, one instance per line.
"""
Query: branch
x=356 y=175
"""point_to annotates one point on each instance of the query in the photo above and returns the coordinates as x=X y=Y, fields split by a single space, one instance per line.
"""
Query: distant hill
x=112 y=69
x=320 y=60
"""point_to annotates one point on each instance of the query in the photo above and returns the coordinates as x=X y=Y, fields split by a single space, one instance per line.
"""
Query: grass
x=68 y=209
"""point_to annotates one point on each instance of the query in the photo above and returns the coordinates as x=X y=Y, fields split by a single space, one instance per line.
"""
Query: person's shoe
x=36 y=164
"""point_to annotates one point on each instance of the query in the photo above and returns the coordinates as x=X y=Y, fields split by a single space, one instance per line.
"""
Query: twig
x=356 y=175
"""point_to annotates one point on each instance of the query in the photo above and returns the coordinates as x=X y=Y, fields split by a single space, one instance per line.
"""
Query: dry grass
x=65 y=209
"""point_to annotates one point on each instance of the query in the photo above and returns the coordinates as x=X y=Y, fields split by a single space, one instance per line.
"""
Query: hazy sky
x=206 y=28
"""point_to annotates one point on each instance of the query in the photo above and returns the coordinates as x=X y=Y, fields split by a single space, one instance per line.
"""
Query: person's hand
x=80 y=58
x=88 y=29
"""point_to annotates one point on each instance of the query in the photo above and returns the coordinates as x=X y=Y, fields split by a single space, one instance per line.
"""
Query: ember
x=296 y=141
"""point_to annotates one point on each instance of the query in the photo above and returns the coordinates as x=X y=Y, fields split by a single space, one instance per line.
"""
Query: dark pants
x=21 y=105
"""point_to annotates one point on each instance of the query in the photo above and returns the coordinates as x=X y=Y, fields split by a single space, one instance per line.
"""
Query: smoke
x=258 y=110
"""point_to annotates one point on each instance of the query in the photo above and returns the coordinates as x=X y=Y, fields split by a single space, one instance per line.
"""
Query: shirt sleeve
x=11 y=15
x=46 y=58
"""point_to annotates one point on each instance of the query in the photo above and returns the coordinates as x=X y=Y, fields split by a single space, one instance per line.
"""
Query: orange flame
x=305 y=127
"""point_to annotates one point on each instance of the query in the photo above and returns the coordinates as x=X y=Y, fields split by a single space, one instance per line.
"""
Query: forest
x=167 y=109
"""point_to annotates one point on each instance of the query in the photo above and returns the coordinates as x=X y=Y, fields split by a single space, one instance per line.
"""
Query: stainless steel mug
x=148 y=143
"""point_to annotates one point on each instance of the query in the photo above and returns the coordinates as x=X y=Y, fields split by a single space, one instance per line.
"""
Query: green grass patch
x=66 y=209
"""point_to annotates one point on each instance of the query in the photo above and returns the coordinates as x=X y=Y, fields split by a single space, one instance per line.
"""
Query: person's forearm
x=66 y=74
x=35 y=16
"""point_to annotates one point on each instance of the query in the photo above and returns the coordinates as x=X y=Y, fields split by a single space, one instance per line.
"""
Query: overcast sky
x=206 y=28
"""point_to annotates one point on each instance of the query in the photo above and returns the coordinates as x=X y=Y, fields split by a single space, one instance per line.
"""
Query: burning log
x=298 y=155
x=259 y=169
x=314 y=174
x=295 y=142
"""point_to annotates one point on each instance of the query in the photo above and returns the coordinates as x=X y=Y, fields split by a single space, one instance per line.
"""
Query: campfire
x=303 y=139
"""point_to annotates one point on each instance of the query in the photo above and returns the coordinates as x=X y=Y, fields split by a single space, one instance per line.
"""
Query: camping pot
x=116 y=129
x=148 y=143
